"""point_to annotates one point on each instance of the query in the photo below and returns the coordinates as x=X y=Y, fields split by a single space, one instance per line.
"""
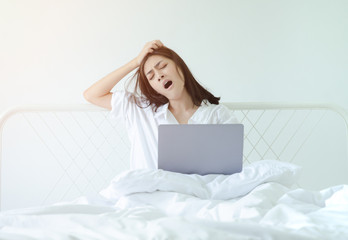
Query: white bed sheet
x=132 y=208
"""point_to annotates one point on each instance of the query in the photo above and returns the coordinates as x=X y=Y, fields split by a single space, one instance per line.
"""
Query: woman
x=169 y=94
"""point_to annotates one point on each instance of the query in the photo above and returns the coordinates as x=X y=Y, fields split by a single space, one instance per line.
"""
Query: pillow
x=251 y=176
x=211 y=186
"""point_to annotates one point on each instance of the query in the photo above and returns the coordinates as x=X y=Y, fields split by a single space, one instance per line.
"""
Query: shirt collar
x=199 y=115
x=162 y=110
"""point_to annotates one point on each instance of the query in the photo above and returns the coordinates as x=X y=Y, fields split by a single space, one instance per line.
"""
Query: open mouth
x=168 y=84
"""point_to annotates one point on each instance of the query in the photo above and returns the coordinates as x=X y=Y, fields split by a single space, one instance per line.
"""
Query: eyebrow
x=155 y=67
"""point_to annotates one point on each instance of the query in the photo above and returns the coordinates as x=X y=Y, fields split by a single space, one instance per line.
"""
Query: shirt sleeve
x=226 y=115
x=121 y=103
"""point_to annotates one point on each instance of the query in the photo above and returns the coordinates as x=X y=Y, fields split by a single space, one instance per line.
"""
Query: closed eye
x=160 y=68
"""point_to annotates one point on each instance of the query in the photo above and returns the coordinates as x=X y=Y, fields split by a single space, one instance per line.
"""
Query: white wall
x=51 y=51
x=257 y=50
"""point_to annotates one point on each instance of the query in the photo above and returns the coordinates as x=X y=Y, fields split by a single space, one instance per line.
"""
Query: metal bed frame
x=84 y=164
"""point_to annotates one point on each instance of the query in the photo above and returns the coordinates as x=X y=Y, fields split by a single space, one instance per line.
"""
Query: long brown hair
x=151 y=97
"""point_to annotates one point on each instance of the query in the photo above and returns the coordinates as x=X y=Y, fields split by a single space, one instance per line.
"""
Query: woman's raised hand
x=148 y=48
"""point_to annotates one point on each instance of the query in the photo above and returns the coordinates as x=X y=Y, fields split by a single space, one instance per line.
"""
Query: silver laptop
x=201 y=148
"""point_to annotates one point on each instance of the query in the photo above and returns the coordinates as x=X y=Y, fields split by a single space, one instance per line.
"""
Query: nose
x=160 y=76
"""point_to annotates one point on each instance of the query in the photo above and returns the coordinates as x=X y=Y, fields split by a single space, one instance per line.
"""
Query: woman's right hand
x=148 y=48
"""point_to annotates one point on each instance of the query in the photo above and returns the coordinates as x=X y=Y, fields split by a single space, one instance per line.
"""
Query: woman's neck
x=184 y=104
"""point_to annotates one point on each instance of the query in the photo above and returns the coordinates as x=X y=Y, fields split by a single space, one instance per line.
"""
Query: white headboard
x=52 y=153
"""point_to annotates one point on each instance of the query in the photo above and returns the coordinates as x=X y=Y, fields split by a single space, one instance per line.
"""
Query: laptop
x=201 y=148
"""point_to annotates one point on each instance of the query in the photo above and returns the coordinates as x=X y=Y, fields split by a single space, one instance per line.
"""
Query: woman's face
x=163 y=77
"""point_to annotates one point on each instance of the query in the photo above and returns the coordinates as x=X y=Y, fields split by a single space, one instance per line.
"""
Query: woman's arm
x=100 y=92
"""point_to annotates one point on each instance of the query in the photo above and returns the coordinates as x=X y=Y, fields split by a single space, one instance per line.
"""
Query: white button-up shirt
x=142 y=125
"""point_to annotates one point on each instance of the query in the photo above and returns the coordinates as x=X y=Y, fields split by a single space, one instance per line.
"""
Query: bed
x=65 y=175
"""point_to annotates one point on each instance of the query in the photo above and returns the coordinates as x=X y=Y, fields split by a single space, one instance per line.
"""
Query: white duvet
x=154 y=204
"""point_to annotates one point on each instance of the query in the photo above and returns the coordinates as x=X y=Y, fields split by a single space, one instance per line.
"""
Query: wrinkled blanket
x=155 y=204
